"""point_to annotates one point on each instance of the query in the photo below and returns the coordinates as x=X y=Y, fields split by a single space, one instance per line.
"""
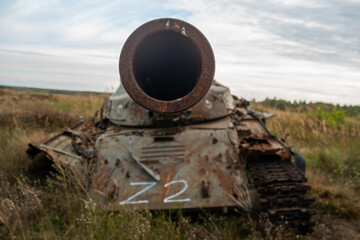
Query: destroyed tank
x=171 y=137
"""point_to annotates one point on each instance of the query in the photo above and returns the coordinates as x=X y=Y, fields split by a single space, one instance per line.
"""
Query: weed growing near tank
x=58 y=208
x=333 y=119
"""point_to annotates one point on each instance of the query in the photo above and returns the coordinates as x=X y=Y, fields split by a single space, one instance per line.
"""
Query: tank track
x=283 y=194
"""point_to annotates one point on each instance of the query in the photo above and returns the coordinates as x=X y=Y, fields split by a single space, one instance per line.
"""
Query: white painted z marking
x=129 y=200
x=169 y=199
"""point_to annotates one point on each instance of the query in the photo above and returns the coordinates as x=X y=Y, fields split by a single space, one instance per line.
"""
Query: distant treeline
x=303 y=106
x=52 y=91
x=298 y=106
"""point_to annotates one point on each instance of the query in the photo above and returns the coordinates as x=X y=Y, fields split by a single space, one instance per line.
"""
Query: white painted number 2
x=170 y=198
x=152 y=184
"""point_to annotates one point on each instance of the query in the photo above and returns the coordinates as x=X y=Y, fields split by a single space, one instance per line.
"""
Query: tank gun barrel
x=167 y=65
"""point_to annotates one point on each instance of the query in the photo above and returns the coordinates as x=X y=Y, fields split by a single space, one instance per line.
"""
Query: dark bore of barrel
x=167 y=65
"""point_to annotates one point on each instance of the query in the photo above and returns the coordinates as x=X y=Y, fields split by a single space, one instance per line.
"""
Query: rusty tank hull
x=171 y=137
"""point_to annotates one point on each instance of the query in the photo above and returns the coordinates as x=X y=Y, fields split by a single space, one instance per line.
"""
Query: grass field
x=56 y=208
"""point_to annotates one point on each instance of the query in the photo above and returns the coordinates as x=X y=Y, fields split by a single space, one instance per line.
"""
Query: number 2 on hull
x=168 y=199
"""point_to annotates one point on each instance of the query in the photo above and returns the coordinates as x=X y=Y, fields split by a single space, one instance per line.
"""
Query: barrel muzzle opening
x=167 y=65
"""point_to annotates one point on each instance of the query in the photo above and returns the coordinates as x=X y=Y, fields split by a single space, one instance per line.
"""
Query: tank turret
x=166 y=67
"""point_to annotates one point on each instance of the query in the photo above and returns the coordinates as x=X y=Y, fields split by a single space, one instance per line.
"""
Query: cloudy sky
x=291 y=49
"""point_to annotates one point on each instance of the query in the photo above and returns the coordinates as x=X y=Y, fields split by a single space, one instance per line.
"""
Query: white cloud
x=290 y=49
x=258 y=58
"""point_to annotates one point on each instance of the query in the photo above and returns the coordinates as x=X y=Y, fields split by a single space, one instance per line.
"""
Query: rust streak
x=61 y=141
x=168 y=176
x=223 y=180
x=101 y=180
x=205 y=167
x=228 y=158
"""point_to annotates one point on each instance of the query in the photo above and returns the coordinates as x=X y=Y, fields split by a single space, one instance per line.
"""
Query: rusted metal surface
x=181 y=159
x=191 y=61
x=124 y=111
x=198 y=165
x=197 y=158
x=183 y=166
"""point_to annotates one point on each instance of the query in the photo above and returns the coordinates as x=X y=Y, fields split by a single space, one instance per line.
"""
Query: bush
x=335 y=118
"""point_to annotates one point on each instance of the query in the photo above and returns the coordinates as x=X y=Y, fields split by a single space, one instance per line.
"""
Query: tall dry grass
x=58 y=208
x=333 y=149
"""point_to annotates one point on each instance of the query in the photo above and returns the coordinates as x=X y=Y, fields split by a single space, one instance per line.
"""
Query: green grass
x=57 y=208
x=303 y=106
